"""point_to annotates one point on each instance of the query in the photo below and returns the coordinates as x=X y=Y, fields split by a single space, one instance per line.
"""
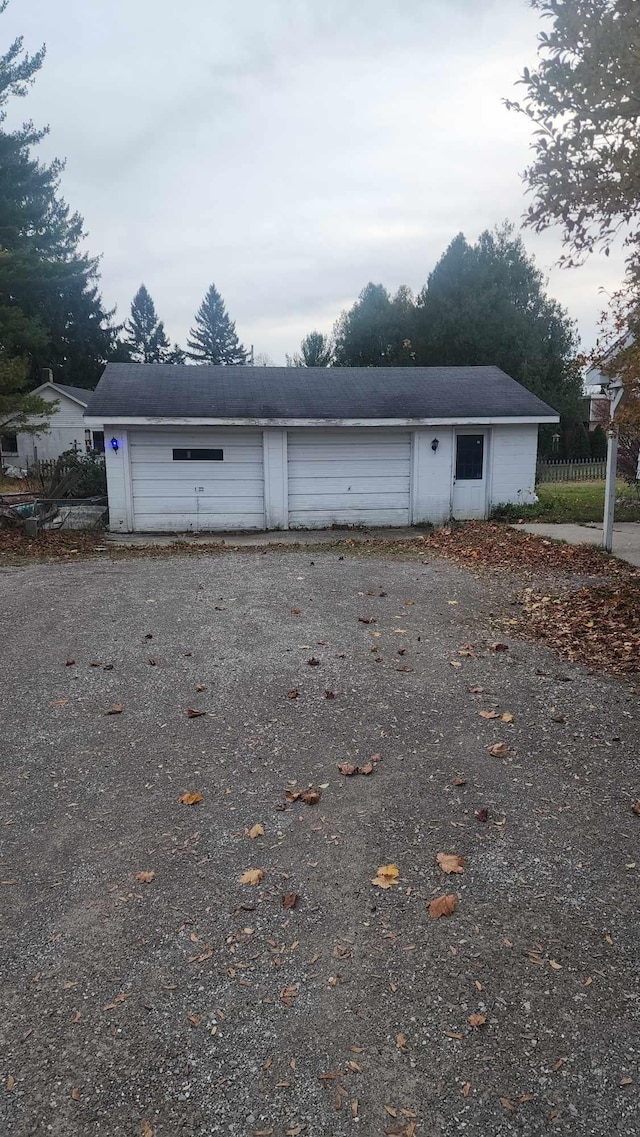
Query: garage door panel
x=175 y=522
x=348 y=477
x=183 y=495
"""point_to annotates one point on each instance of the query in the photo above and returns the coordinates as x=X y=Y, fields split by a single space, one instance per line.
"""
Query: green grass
x=574 y=501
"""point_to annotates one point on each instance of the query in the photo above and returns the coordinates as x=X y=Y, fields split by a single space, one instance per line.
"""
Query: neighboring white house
x=67 y=429
x=193 y=448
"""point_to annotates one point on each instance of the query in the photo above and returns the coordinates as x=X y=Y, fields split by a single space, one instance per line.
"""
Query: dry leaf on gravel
x=329 y=694
x=293 y=693
x=401 y=1042
x=506 y=717
x=500 y=546
x=347 y=770
x=367 y=769
x=636 y=807
x=367 y=620
x=146 y=1130
x=477 y=1020
x=116 y=709
x=498 y=750
x=489 y=714
x=481 y=815
x=450 y=862
x=386 y=876
x=288 y=994
x=597 y=626
x=191 y=714
x=443 y=906
x=10 y=1082
x=75 y=1094
x=313 y=662
x=499 y=647
x=145 y=877
x=310 y=797
x=201 y=687
x=70 y=663
x=252 y=876
x=256 y=830
x=190 y=798
x=290 y=899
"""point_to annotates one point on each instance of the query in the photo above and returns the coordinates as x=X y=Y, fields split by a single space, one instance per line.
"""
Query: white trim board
x=157 y=420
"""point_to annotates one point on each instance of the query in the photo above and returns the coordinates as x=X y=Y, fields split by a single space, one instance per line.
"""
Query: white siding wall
x=513 y=454
x=348 y=476
x=432 y=473
x=67 y=429
x=180 y=496
x=118 y=479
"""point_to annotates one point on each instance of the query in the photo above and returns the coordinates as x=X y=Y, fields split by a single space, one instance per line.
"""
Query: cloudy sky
x=289 y=150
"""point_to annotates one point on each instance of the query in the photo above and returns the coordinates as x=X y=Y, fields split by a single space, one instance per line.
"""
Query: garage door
x=197 y=480
x=348 y=477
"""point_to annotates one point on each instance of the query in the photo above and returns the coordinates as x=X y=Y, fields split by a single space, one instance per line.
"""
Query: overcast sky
x=288 y=150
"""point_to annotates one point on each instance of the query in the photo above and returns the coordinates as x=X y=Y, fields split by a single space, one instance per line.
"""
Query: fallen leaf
x=450 y=862
x=626 y=1081
x=453 y=1034
x=290 y=899
x=390 y=1110
x=116 y=709
x=313 y=662
x=201 y=687
x=386 y=876
x=367 y=769
x=194 y=1020
x=367 y=620
x=347 y=770
x=191 y=714
x=287 y=995
x=459 y=781
x=145 y=877
x=636 y=807
x=190 y=799
x=293 y=693
x=257 y=830
x=506 y=717
x=506 y=1103
x=499 y=647
x=310 y=797
x=555 y=965
x=70 y=663
x=401 y=1042
x=252 y=876
x=146 y=1130
x=558 y=717
x=10 y=1082
x=329 y=694
x=476 y=1020
x=443 y=906
x=481 y=814
x=151 y=662
x=498 y=750
x=489 y=714
x=295 y=611
x=455 y=662
x=75 y=1093
x=558 y=1063
x=466 y=1089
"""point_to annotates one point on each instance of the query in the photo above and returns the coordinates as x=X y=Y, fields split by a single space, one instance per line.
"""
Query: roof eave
x=461 y=420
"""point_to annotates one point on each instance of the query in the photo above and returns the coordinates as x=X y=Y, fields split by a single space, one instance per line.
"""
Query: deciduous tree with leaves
x=213 y=337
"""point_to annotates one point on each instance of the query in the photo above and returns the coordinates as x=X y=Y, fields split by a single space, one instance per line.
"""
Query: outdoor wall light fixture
x=435 y=444
x=114 y=444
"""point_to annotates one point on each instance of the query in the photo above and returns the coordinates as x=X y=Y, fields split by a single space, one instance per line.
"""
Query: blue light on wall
x=114 y=444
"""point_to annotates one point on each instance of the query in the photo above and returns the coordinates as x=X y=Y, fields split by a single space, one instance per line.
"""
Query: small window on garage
x=98 y=441
x=9 y=443
x=469 y=457
x=201 y=454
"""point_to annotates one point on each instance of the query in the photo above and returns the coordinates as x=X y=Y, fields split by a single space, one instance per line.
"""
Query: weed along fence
x=572 y=470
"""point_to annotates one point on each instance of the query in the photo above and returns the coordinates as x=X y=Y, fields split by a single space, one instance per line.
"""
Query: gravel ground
x=192 y=1004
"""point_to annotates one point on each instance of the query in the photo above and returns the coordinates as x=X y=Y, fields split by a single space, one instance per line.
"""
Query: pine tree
x=316 y=350
x=176 y=355
x=146 y=338
x=51 y=313
x=213 y=338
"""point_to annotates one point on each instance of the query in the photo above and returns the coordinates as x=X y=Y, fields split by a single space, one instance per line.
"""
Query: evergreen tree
x=16 y=405
x=51 y=313
x=598 y=443
x=176 y=355
x=146 y=337
x=316 y=350
x=486 y=304
x=213 y=337
x=375 y=332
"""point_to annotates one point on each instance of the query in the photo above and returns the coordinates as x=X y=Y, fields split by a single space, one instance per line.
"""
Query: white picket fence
x=571 y=470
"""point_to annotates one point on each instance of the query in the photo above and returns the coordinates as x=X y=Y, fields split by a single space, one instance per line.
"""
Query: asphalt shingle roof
x=182 y=391
x=82 y=393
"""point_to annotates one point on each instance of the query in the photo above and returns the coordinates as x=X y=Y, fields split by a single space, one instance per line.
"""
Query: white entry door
x=469 y=497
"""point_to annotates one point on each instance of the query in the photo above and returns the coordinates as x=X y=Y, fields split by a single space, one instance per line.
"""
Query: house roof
x=80 y=394
x=168 y=391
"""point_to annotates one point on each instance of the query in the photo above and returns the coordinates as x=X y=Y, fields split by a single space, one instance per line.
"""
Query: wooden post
x=610 y=487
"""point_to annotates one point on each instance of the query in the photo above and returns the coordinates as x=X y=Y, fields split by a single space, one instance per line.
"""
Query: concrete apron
x=271 y=537
x=626 y=536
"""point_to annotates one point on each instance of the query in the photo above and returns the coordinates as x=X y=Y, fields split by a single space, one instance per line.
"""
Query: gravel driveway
x=186 y=1002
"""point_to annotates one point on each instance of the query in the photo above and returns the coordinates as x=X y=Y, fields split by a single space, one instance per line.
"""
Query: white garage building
x=193 y=448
